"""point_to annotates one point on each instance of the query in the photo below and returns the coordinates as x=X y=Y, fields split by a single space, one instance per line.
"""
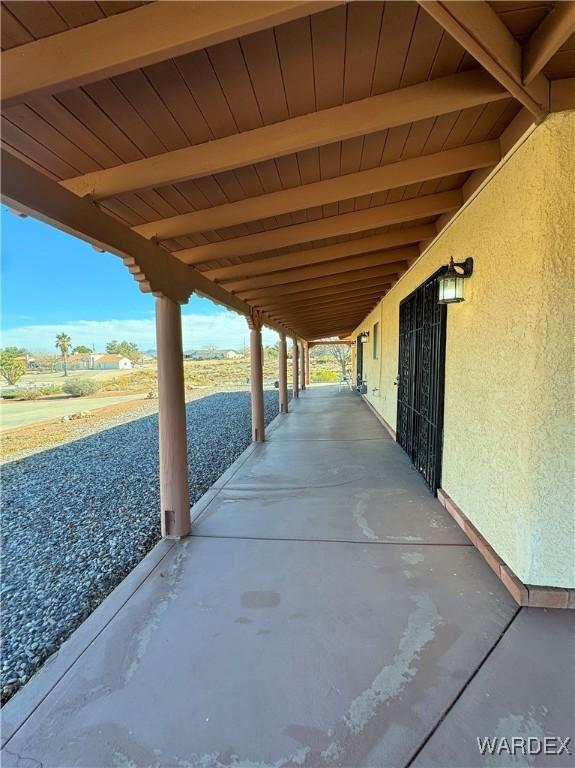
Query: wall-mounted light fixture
x=363 y=337
x=452 y=280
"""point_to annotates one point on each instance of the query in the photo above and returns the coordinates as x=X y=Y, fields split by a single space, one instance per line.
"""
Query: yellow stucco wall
x=509 y=436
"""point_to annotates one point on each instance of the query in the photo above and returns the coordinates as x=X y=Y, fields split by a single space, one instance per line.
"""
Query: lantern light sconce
x=363 y=337
x=452 y=280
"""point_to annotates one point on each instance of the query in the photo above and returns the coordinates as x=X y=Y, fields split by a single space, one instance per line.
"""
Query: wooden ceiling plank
x=326 y=294
x=294 y=135
x=289 y=314
x=12 y=30
x=372 y=273
x=395 y=213
x=417 y=169
x=349 y=318
x=328 y=31
x=306 y=321
x=39 y=18
x=131 y=40
x=328 y=268
x=423 y=49
x=476 y=26
x=325 y=301
x=356 y=286
x=327 y=253
x=323 y=309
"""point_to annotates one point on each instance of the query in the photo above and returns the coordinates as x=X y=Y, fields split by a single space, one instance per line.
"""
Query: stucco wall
x=509 y=438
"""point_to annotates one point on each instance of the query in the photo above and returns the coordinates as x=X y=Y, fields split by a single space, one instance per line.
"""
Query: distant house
x=211 y=353
x=112 y=363
x=204 y=354
x=28 y=360
x=75 y=363
x=94 y=362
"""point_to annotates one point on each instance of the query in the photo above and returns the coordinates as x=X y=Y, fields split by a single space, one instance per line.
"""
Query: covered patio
x=322 y=169
x=326 y=611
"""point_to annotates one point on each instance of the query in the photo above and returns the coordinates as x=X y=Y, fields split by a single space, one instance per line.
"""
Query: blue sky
x=53 y=282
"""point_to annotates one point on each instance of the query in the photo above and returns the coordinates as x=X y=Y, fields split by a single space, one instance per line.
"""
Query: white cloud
x=223 y=329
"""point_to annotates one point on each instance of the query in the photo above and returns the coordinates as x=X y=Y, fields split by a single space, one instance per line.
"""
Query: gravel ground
x=77 y=518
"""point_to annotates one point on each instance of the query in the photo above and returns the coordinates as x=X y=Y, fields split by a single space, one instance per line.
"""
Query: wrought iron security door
x=359 y=362
x=421 y=380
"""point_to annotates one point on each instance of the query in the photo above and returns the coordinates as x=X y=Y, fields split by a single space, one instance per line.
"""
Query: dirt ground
x=32 y=426
x=30 y=438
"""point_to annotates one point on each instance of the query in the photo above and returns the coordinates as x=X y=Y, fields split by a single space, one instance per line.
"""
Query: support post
x=307 y=374
x=283 y=389
x=302 y=364
x=174 y=486
x=257 y=377
x=295 y=368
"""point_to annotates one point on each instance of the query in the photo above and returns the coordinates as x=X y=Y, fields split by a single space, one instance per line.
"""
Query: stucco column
x=295 y=368
x=174 y=488
x=302 y=365
x=257 y=378
x=307 y=375
x=282 y=361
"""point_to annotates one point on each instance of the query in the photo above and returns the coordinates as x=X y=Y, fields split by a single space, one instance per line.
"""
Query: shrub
x=51 y=389
x=80 y=388
x=30 y=394
x=322 y=376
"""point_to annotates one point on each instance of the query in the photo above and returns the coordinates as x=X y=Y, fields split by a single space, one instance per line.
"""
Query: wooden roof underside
x=289 y=158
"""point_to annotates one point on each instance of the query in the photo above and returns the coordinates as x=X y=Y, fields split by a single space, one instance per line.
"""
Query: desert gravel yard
x=77 y=518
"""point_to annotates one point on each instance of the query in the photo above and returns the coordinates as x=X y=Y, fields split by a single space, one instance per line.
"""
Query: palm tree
x=63 y=342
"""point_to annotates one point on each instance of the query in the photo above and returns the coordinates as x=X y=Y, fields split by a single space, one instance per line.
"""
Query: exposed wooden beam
x=338 y=327
x=357 y=118
x=552 y=32
x=332 y=289
x=345 y=315
x=328 y=268
x=127 y=41
x=269 y=304
x=335 y=303
x=322 y=312
x=315 y=327
x=322 y=293
x=333 y=226
x=476 y=26
x=347 y=318
x=323 y=282
x=326 y=300
x=399 y=174
x=321 y=331
x=30 y=192
x=327 y=253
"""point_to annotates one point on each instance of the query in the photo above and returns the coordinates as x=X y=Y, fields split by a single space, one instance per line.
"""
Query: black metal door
x=421 y=380
x=359 y=362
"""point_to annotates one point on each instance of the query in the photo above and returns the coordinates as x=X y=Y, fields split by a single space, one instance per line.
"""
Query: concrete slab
x=239 y=652
x=368 y=515
x=330 y=415
x=328 y=612
x=525 y=690
x=329 y=490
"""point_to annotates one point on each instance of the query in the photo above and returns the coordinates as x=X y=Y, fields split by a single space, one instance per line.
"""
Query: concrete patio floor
x=326 y=612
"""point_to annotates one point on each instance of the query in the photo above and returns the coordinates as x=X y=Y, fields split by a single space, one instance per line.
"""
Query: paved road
x=20 y=413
